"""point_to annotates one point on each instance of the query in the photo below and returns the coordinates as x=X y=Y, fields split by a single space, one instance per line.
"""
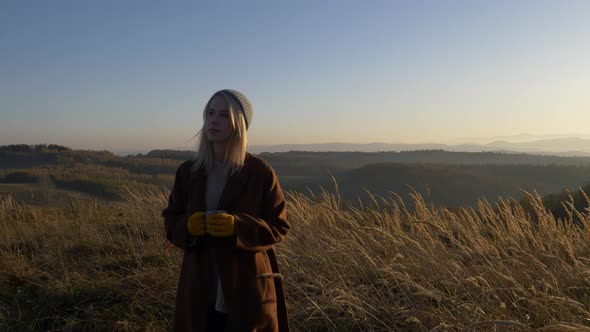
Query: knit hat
x=243 y=101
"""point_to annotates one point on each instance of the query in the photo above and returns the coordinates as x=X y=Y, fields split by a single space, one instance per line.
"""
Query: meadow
x=97 y=265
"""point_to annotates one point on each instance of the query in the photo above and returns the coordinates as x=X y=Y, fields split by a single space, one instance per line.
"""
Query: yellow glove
x=220 y=224
x=196 y=223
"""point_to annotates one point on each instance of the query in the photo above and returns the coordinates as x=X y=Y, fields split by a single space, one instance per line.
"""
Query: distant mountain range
x=568 y=146
x=523 y=143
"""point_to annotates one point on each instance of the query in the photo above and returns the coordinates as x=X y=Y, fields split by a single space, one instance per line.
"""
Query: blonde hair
x=238 y=140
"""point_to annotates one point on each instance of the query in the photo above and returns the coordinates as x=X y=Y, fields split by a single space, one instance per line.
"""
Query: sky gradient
x=135 y=75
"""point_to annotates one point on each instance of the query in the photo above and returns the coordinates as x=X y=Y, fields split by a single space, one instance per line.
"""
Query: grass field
x=92 y=265
x=33 y=193
x=17 y=187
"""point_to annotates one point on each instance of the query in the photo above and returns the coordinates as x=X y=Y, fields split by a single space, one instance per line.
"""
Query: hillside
x=460 y=185
x=288 y=162
x=444 y=178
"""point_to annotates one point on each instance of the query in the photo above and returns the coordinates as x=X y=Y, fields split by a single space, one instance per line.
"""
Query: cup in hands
x=219 y=223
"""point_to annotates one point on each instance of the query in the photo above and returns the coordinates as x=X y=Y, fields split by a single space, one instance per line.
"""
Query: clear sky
x=132 y=75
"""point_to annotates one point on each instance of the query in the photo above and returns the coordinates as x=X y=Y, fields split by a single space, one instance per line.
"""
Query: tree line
x=33 y=148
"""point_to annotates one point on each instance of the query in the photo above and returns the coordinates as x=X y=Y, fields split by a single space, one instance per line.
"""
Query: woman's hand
x=220 y=224
x=196 y=224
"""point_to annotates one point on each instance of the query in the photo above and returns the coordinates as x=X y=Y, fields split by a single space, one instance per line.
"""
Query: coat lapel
x=197 y=184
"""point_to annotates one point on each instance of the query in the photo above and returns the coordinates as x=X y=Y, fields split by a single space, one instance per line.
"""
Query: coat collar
x=234 y=186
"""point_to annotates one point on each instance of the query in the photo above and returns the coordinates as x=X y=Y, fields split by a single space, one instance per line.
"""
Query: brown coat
x=248 y=267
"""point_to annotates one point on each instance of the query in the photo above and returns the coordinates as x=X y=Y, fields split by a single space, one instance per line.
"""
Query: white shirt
x=216 y=179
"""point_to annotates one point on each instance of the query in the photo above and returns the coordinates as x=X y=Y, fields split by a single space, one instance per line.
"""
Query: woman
x=227 y=211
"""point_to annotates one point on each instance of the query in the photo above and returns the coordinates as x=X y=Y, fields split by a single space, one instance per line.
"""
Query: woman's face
x=217 y=122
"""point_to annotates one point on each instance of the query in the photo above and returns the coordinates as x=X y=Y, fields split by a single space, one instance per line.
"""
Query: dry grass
x=93 y=266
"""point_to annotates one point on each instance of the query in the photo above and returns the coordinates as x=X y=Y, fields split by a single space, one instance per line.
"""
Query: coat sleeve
x=174 y=214
x=260 y=234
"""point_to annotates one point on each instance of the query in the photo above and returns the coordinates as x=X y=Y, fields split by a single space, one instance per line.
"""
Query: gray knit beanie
x=243 y=101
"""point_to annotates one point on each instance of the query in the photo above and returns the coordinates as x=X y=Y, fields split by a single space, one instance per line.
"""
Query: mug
x=212 y=212
x=215 y=211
